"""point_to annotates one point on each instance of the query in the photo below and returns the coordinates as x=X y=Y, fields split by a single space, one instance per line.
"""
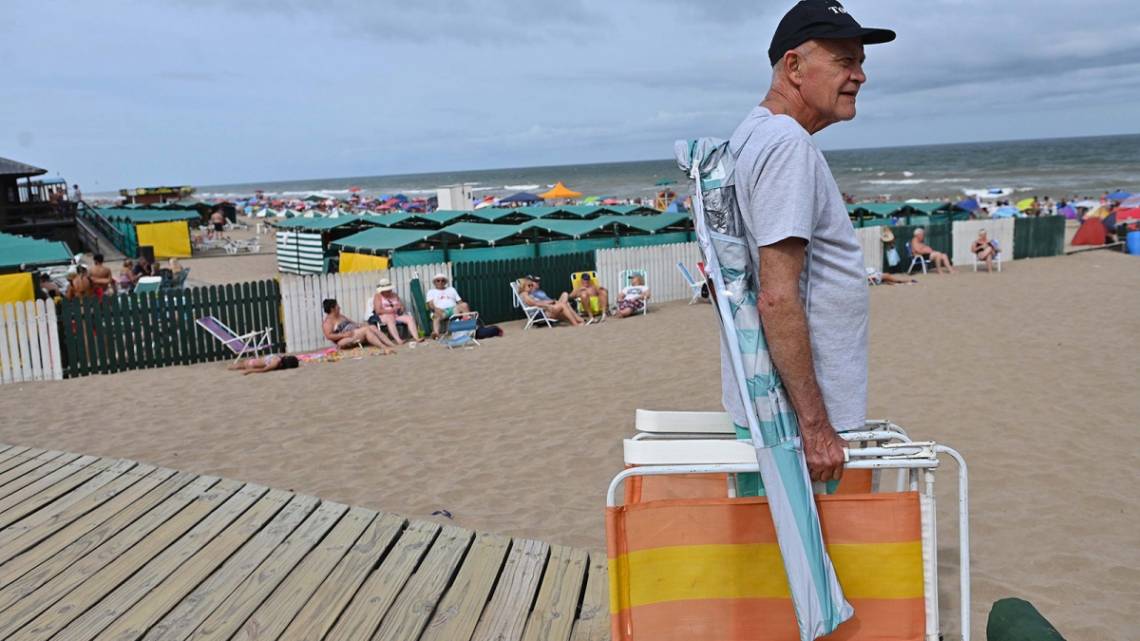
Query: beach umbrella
x=817 y=597
x=1005 y=212
x=1131 y=213
x=521 y=197
x=1087 y=204
x=1068 y=212
x=1024 y=204
x=560 y=192
x=664 y=181
x=1119 y=195
x=969 y=204
x=1129 y=203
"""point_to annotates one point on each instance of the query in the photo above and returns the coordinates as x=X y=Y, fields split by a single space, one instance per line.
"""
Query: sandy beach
x=1031 y=374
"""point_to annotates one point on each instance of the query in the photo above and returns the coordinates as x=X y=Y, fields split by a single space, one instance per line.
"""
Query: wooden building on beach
x=35 y=208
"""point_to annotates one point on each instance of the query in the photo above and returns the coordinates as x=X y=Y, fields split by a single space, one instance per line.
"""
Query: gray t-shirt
x=785 y=189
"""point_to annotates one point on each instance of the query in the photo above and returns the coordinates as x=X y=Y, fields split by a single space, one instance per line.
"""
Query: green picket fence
x=1038 y=237
x=484 y=283
x=141 y=331
x=938 y=236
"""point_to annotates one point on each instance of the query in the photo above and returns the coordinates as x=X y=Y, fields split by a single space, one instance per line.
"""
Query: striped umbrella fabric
x=818 y=599
x=711 y=569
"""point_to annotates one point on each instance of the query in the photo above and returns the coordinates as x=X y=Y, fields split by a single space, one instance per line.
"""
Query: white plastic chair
x=626 y=277
x=916 y=259
x=694 y=284
x=533 y=314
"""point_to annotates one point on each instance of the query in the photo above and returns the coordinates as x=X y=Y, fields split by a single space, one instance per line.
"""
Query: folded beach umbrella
x=817 y=598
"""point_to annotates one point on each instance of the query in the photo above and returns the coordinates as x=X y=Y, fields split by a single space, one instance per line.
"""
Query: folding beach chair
x=148 y=284
x=626 y=278
x=997 y=256
x=533 y=314
x=694 y=284
x=916 y=260
x=461 y=330
x=250 y=343
x=576 y=281
x=709 y=568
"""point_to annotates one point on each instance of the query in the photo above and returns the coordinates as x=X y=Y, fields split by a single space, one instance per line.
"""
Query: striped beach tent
x=711 y=569
x=818 y=600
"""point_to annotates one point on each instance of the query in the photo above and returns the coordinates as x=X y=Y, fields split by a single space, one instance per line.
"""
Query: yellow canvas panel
x=351 y=262
x=170 y=239
x=15 y=288
x=756 y=571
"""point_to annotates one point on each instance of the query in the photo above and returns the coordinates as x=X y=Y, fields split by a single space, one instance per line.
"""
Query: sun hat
x=822 y=19
x=887 y=236
x=385 y=285
x=440 y=276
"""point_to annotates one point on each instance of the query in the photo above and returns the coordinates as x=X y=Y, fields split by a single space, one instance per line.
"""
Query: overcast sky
x=118 y=93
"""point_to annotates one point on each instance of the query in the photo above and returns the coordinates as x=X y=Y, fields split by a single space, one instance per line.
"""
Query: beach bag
x=893 y=257
x=488 y=331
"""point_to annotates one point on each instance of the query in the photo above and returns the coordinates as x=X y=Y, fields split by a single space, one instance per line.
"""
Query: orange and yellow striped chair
x=710 y=569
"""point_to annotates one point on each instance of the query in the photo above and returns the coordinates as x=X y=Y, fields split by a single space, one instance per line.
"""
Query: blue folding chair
x=461 y=330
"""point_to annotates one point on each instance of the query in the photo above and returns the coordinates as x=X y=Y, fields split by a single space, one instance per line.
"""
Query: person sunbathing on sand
x=918 y=247
x=560 y=309
x=266 y=364
x=344 y=332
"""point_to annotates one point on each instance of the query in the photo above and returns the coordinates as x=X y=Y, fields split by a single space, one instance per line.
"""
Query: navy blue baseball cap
x=824 y=19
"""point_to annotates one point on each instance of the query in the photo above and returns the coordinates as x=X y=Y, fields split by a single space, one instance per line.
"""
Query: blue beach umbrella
x=1119 y=195
x=817 y=598
x=1005 y=212
x=1067 y=212
x=969 y=204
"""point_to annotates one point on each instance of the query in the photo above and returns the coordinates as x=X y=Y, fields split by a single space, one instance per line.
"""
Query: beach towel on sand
x=817 y=598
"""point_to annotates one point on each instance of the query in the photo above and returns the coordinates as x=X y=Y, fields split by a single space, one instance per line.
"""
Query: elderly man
x=813 y=290
x=443 y=301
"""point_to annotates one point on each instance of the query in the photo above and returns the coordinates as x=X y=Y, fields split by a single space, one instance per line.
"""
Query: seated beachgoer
x=266 y=363
x=918 y=247
x=143 y=268
x=631 y=299
x=876 y=277
x=591 y=297
x=344 y=332
x=79 y=283
x=48 y=287
x=561 y=309
x=984 y=249
x=444 y=302
x=127 y=277
x=388 y=309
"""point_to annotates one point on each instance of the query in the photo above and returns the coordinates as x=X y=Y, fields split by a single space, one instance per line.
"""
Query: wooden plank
x=35 y=354
x=229 y=616
x=458 y=613
x=553 y=614
x=52 y=461
x=54 y=341
x=14 y=456
x=593 y=623
x=317 y=617
x=275 y=614
x=21 y=536
x=57 y=552
x=36 y=495
x=22 y=342
x=193 y=610
x=115 y=589
x=151 y=597
x=114 y=561
x=368 y=607
x=21 y=464
x=60 y=495
x=506 y=613
x=7 y=335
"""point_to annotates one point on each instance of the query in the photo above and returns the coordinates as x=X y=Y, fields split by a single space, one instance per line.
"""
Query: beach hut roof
x=387 y=220
x=15 y=168
x=142 y=216
x=569 y=211
x=382 y=239
x=560 y=191
x=572 y=228
x=18 y=250
x=443 y=217
x=502 y=214
x=651 y=224
x=302 y=223
x=481 y=232
x=633 y=210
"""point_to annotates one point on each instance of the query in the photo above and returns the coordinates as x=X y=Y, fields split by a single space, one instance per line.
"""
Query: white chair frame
x=533 y=314
x=263 y=339
x=694 y=285
x=627 y=274
x=920 y=459
x=997 y=256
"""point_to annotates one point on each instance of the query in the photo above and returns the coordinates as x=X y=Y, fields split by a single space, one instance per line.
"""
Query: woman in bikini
x=266 y=363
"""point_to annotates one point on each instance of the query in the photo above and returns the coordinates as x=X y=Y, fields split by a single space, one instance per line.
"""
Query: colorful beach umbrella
x=969 y=204
x=817 y=598
x=560 y=192
x=1131 y=213
x=1067 y=212
x=1129 y=203
x=1024 y=204
x=1119 y=195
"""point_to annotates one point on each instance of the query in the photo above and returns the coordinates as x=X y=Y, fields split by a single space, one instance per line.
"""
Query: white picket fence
x=301 y=298
x=660 y=263
x=29 y=343
x=870 y=240
x=966 y=231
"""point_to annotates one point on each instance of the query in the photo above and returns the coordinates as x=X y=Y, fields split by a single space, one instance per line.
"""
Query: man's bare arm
x=785 y=326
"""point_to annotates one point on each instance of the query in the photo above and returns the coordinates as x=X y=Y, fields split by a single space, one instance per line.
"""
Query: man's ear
x=793 y=66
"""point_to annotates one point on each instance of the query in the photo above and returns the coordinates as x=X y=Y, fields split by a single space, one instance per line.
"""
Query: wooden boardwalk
x=114 y=550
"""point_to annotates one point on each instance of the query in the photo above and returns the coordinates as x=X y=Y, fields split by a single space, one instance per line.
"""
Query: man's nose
x=857 y=74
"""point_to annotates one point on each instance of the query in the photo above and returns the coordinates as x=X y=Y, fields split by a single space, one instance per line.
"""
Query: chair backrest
x=686 y=275
x=148 y=284
x=222 y=332
x=576 y=278
x=628 y=274
x=518 y=300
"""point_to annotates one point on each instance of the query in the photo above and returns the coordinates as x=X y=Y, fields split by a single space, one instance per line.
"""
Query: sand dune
x=1030 y=373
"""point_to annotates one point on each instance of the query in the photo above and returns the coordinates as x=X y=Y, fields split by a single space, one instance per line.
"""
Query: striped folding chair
x=709 y=568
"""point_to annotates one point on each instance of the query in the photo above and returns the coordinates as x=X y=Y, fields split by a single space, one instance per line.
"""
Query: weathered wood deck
x=94 y=548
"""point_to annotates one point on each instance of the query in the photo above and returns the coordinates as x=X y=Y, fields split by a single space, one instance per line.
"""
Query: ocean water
x=1057 y=167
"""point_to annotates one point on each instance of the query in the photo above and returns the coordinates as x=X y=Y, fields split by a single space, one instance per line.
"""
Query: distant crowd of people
x=98 y=280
